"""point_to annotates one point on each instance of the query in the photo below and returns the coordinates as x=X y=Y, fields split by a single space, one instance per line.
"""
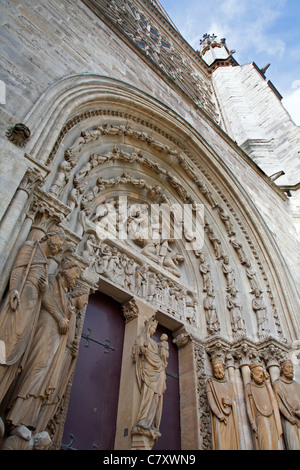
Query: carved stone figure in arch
x=211 y=315
x=141 y=280
x=251 y=275
x=239 y=250
x=229 y=274
x=236 y=313
x=216 y=243
x=170 y=258
x=204 y=269
x=62 y=178
x=260 y=309
x=226 y=220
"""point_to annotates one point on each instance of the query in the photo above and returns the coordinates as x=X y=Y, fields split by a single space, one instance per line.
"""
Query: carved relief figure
x=221 y=400
x=39 y=379
x=235 y=308
x=171 y=261
x=261 y=313
x=211 y=315
x=239 y=250
x=226 y=220
x=141 y=280
x=62 y=178
x=251 y=275
x=21 y=308
x=129 y=274
x=262 y=410
x=150 y=360
x=77 y=301
x=204 y=269
x=215 y=241
x=229 y=274
x=288 y=396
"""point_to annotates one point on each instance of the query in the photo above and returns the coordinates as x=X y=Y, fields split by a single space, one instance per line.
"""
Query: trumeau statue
x=288 y=396
x=150 y=360
x=39 y=378
x=221 y=400
x=18 y=319
x=262 y=410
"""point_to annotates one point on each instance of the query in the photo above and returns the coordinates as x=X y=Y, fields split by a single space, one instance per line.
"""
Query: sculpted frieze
x=124 y=267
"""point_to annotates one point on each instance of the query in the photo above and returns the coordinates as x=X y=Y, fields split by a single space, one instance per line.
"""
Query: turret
x=215 y=51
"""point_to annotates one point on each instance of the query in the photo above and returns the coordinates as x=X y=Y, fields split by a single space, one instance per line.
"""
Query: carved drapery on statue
x=150 y=360
x=41 y=374
x=288 y=396
x=21 y=308
x=263 y=412
x=222 y=402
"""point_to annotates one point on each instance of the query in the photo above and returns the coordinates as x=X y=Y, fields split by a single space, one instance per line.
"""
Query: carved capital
x=130 y=310
x=219 y=349
x=272 y=354
x=31 y=180
x=245 y=353
x=182 y=340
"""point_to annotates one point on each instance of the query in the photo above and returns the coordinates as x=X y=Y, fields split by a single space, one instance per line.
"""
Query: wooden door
x=92 y=412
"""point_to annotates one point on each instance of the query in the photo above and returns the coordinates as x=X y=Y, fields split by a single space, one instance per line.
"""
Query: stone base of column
x=142 y=439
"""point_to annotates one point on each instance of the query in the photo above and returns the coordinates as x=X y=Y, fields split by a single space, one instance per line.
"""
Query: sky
x=260 y=31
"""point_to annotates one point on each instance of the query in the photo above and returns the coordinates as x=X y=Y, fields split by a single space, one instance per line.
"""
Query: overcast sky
x=260 y=31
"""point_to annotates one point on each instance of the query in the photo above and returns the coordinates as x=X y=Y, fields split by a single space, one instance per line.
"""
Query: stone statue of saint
x=221 y=400
x=260 y=309
x=288 y=396
x=262 y=410
x=21 y=307
x=39 y=378
x=150 y=360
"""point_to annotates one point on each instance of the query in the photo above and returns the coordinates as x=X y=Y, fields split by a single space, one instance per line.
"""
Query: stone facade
x=109 y=115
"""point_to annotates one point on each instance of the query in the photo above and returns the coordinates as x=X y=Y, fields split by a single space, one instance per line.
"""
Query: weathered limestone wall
x=255 y=117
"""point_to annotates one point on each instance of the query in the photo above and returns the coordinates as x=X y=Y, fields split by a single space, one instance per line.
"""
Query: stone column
x=188 y=385
x=8 y=233
x=135 y=312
